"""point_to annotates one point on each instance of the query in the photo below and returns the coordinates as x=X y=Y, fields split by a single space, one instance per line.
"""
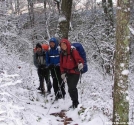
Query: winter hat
x=38 y=45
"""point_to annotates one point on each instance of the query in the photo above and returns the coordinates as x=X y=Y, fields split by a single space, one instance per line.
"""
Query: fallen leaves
x=62 y=114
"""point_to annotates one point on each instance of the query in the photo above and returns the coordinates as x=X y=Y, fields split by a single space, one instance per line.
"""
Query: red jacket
x=70 y=61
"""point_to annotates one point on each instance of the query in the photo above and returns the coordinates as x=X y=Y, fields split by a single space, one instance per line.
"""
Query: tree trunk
x=18 y=7
x=11 y=6
x=66 y=7
x=45 y=5
x=45 y=8
x=108 y=13
x=31 y=12
x=104 y=5
x=120 y=95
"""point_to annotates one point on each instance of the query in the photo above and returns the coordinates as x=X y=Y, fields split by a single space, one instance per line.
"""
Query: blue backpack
x=82 y=53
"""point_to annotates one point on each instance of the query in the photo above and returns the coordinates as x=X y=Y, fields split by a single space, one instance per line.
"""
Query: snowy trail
x=21 y=105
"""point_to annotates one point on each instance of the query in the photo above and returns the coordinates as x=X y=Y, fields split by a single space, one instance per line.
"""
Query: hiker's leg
x=55 y=82
x=39 y=75
x=72 y=81
x=42 y=80
x=47 y=79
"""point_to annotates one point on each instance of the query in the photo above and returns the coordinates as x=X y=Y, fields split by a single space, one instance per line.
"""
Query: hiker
x=42 y=69
x=71 y=64
x=53 y=62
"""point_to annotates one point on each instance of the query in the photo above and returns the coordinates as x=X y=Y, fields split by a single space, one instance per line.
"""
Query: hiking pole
x=54 y=99
x=59 y=86
x=81 y=85
x=80 y=76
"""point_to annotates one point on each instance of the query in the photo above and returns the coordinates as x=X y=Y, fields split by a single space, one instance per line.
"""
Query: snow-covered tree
x=64 y=20
x=120 y=94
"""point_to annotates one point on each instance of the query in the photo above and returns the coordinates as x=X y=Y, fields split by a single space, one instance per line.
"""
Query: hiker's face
x=38 y=49
x=52 y=44
x=63 y=46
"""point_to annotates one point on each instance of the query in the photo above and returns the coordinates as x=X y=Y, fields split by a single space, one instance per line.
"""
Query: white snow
x=22 y=106
x=119 y=8
x=131 y=30
x=125 y=72
x=122 y=64
x=62 y=18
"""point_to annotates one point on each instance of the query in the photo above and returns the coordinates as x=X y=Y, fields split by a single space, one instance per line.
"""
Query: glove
x=63 y=76
x=80 y=66
x=57 y=65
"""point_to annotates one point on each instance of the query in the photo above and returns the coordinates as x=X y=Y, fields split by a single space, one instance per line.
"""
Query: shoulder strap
x=71 y=50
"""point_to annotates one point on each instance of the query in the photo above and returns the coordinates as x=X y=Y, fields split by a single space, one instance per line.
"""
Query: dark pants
x=58 y=84
x=43 y=73
x=72 y=81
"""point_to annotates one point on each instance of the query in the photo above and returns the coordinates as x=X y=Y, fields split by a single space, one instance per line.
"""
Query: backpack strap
x=72 y=47
x=71 y=51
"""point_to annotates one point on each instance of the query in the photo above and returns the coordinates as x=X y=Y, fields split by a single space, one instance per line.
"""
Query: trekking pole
x=59 y=86
x=80 y=76
x=54 y=99
x=49 y=81
x=81 y=84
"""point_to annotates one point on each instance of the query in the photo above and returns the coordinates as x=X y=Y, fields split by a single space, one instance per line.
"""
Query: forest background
x=23 y=23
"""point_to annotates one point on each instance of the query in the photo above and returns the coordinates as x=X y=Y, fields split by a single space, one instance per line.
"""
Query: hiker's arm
x=77 y=57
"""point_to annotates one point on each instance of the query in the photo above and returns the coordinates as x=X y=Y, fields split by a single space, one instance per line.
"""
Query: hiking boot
x=42 y=90
x=63 y=96
x=38 y=88
x=56 y=98
x=71 y=107
x=75 y=104
x=48 y=92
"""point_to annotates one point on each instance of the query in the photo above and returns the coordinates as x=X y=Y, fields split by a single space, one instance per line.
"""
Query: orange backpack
x=45 y=47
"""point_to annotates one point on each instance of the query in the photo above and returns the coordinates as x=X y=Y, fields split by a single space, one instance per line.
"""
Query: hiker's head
x=38 y=47
x=53 y=42
x=65 y=44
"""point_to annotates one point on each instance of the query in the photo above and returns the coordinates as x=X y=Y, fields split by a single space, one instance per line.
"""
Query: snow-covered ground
x=22 y=104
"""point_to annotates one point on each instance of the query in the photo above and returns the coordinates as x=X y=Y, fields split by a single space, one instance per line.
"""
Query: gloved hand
x=80 y=66
x=57 y=65
x=63 y=76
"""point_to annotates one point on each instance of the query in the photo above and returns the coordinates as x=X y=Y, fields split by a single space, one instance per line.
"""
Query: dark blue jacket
x=53 y=54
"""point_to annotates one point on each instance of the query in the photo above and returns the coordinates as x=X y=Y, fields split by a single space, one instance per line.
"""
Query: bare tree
x=120 y=95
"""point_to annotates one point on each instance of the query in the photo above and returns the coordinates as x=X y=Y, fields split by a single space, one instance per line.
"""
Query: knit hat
x=38 y=45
